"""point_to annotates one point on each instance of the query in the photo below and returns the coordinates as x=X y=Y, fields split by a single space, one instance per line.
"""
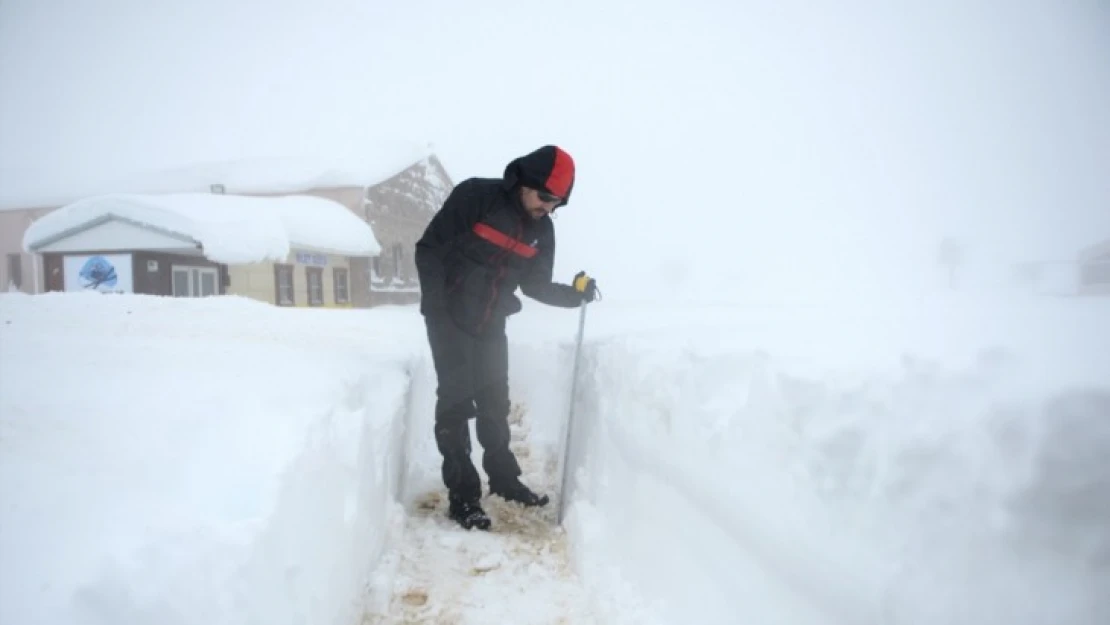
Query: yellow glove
x=585 y=285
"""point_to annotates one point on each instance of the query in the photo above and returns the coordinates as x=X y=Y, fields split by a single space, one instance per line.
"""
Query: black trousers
x=473 y=381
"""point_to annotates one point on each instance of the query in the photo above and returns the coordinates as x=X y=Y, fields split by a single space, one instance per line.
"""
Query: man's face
x=537 y=203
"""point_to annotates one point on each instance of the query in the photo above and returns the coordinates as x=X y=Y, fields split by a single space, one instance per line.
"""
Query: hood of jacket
x=549 y=168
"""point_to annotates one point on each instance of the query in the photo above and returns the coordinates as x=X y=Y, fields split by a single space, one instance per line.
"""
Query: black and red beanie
x=549 y=168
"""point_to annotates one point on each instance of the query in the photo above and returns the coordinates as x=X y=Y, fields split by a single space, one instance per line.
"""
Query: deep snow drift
x=224 y=461
x=939 y=462
x=193 y=461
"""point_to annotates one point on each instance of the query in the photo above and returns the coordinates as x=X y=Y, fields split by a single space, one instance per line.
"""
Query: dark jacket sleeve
x=538 y=284
x=461 y=210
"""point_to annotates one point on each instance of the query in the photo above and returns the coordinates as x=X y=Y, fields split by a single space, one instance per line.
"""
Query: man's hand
x=586 y=285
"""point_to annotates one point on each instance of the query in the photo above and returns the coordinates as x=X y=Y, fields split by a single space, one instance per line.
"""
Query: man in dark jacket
x=491 y=236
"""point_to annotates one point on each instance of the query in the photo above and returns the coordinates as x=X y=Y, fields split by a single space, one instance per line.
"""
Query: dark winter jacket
x=482 y=245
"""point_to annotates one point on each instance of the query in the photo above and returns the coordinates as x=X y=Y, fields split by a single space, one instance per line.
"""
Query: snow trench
x=718 y=487
x=711 y=482
x=435 y=572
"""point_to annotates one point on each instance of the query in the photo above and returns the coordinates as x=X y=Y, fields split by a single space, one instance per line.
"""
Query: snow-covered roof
x=231 y=229
x=23 y=188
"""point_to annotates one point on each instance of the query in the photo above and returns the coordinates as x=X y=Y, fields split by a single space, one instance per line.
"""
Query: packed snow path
x=517 y=572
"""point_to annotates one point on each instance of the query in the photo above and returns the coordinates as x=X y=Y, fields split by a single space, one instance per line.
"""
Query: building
x=396 y=191
x=289 y=251
x=1094 y=269
x=18 y=270
x=399 y=209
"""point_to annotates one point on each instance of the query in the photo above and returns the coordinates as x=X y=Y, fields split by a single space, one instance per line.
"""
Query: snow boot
x=468 y=514
x=513 y=490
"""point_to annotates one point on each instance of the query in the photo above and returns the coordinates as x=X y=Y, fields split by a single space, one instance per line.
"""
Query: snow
x=519 y=572
x=224 y=461
x=26 y=187
x=941 y=463
x=232 y=229
x=176 y=461
x=778 y=420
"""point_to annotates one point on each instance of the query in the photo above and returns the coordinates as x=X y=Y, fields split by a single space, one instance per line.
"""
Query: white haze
x=760 y=151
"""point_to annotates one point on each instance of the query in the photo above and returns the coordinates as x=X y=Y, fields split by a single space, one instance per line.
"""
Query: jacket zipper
x=496 y=281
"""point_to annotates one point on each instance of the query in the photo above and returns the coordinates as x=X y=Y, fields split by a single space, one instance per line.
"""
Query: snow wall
x=950 y=469
x=212 y=461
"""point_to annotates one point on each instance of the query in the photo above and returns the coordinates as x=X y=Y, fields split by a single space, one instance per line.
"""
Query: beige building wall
x=359 y=270
x=255 y=281
x=259 y=282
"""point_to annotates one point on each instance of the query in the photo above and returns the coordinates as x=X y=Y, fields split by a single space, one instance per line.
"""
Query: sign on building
x=312 y=259
x=107 y=273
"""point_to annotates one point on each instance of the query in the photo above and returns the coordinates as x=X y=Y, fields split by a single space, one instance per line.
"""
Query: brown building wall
x=160 y=280
x=147 y=279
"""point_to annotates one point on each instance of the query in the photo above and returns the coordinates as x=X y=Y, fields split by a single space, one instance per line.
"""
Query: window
x=194 y=281
x=398 y=257
x=283 y=285
x=1097 y=272
x=339 y=277
x=180 y=282
x=315 y=277
x=15 y=271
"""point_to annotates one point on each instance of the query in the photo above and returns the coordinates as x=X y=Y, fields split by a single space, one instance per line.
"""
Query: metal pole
x=570 y=412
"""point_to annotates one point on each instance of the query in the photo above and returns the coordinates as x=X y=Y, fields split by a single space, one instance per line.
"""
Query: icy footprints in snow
x=516 y=572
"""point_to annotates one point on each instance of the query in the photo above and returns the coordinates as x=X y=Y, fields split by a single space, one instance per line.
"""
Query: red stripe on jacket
x=504 y=241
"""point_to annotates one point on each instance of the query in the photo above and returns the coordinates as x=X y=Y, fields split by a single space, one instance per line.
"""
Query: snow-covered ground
x=189 y=461
x=225 y=461
x=938 y=462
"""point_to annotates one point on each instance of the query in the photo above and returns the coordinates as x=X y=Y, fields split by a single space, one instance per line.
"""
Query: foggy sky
x=767 y=147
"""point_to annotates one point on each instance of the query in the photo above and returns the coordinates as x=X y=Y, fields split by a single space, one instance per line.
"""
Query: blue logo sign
x=97 y=272
x=309 y=258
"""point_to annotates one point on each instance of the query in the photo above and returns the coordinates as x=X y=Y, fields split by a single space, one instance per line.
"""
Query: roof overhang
x=161 y=238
